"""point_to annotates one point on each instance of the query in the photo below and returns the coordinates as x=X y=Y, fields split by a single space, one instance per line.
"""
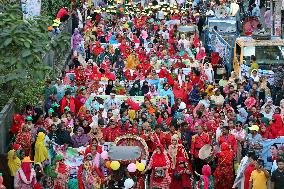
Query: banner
x=137 y=99
x=31 y=8
x=270 y=150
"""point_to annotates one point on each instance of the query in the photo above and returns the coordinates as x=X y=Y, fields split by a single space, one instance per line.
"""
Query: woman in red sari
x=160 y=164
x=18 y=121
x=24 y=138
x=224 y=173
x=165 y=118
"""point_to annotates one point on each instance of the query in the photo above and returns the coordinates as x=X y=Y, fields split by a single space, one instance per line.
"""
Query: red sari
x=24 y=138
x=224 y=173
x=156 y=161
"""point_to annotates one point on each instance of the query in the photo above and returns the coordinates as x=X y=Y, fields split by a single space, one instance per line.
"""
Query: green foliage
x=23 y=44
x=51 y=7
x=31 y=93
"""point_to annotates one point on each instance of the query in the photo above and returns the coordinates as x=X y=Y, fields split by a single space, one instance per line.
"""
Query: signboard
x=31 y=8
x=137 y=99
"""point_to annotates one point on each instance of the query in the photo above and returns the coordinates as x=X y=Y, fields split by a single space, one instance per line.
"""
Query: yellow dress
x=131 y=62
x=41 y=153
x=14 y=163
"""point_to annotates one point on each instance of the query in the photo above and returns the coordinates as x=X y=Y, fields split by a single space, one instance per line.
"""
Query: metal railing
x=6 y=119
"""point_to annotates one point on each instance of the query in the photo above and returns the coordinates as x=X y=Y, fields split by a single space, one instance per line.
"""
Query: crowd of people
x=134 y=73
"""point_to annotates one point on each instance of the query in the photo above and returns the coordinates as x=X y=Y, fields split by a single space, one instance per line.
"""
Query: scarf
x=17 y=123
x=206 y=172
x=159 y=159
x=26 y=173
x=14 y=163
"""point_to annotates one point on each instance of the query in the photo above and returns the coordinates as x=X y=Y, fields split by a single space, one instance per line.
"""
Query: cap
x=67 y=108
x=55 y=24
x=55 y=105
x=29 y=118
x=254 y=128
x=50 y=110
x=82 y=88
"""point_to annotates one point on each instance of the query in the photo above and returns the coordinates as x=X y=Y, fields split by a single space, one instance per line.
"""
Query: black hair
x=54 y=114
x=274 y=146
x=226 y=127
x=280 y=160
x=252 y=155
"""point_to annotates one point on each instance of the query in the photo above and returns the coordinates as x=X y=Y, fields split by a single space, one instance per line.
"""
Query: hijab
x=41 y=153
x=159 y=159
x=16 y=127
x=242 y=115
x=206 y=172
x=14 y=163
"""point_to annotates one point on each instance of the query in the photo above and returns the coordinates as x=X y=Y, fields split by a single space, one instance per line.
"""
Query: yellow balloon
x=114 y=165
x=141 y=167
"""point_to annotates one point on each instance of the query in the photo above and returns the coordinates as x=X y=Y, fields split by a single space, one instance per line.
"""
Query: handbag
x=159 y=173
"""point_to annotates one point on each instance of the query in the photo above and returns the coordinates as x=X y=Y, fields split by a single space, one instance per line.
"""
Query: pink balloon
x=131 y=167
x=104 y=155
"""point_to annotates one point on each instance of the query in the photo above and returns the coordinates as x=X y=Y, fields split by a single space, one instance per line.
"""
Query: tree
x=23 y=44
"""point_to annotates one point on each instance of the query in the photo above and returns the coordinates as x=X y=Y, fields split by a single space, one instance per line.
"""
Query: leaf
x=26 y=52
x=27 y=44
x=8 y=41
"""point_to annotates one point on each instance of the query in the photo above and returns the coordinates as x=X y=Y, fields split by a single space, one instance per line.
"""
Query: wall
x=6 y=116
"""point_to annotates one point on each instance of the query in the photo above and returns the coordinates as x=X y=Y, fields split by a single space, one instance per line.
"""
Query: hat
x=50 y=110
x=57 y=21
x=55 y=105
x=29 y=118
x=82 y=88
x=55 y=24
x=88 y=17
x=27 y=159
x=101 y=106
x=254 y=128
x=67 y=108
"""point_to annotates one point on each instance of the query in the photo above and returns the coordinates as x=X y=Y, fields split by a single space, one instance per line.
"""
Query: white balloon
x=128 y=183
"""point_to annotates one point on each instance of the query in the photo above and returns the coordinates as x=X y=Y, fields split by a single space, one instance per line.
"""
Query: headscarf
x=206 y=172
x=194 y=94
x=16 y=127
x=41 y=153
x=27 y=170
x=276 y=126
x=242 y=115
x=159 y=160
x=112 y=40
x=76 y=39
x=14 y=163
